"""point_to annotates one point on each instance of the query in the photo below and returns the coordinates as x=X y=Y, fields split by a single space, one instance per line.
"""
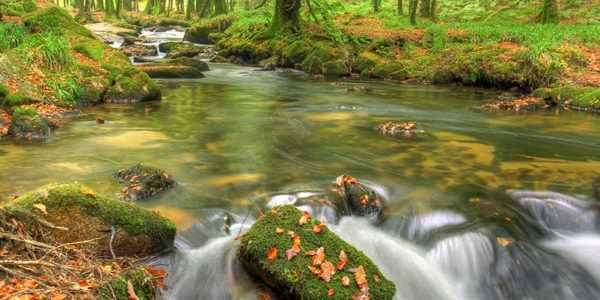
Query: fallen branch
x=18 y=238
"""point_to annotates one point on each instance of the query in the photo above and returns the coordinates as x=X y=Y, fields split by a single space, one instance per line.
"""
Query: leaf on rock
x=330 y=292
x=302 y=220
x=319 y=257
x=278 y=230
x=317 y=228
x=86 y=190
x=41 y=207
x=343 y=260
x=272 y=253
x=345 y=281
x=327 y=271
x=360 y=276
x=289 y=253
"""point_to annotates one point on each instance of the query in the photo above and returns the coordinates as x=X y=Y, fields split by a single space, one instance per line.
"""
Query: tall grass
x=50 y=50
x=11 y=35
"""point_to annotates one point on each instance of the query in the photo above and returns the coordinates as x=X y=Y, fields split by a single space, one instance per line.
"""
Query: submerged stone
x=179 y=49
x=300 y=258
x=143 y=181
x=361 y=200
x=89 y=215
x=140 y=50
x=181 y=67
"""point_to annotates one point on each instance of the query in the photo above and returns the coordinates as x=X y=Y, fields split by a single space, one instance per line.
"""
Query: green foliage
x=53 y=19
x=50 y=50
x=327 y=13
x=11 y=35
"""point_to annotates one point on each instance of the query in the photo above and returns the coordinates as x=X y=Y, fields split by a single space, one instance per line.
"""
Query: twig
x=69 y=244
x=17 y=238
x=26 y=262
x=17 y=273
x=112 y=292
x=113 y=235
x=51 y=226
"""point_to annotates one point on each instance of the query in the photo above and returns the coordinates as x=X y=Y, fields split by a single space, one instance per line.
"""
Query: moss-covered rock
x=170 y=71
x=179 y=49
x=55 y=18
x=295 y=53
x=143 y=181
x=139 y=281
x=336 y=68
x=26 y=122
x=385 y=69
x=361 y=200
x=199 y=33
x=131 y=86
x=29 y=6
x=366 y=61
x=321 y=53
x=140 y=50
x=94 y=90
x=293 y=277
x=89 y=215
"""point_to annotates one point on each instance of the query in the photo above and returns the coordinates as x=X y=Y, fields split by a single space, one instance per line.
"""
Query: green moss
x=170 y=71
x=133 y=219
x=320 y=53
x=142 y=181
x=385 y=69
x=295 y=53
x=186 y=61
x=365 y=61
x=29 y=6
x=278 y=272
x=179 y=49
x=55 y=18
x=26 y=122
x=133 y=85
x=582 y=97
x=139 y=280
x=336 y=68
x=199 y=33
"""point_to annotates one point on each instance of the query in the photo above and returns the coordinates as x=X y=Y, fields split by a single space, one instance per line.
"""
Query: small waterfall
x=581 y=248
x=403 y=263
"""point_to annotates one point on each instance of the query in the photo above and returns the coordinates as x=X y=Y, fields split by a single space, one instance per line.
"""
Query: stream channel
x=481 y=205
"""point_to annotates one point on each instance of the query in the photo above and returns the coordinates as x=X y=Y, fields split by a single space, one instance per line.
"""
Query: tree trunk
x=433 y=11
x=425 y=6
x=149 y=6
x=100 y=5
x=110 y=7
x=220 y=7
x=118 y=10
x=231 y=5
x=286 y=17
x=413 y=4
x=549 y=13
x=400 y=12
x=190 y=8
x=375 y=5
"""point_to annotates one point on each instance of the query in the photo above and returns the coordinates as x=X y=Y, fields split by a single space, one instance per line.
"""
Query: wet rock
x=365 y=61
x=139 y=59
x=336 y=68
x=181 y=67
x=407 y=128
x=140 y=50
x=199 y=33
x=131 y=86
x=129 y=40
x=269 y=64
x=143 y=181
x=519 y=104
x=27 y=123
x=295 y=273
x=95 y=88
x=89 y=215
x=361 y=200
x=169 y=84
x=219 y=58
x=320 y=54
x=359 y=89
x=180 y=49
x=100 y=120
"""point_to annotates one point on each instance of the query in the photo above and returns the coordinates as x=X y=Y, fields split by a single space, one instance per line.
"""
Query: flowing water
x=482 y=205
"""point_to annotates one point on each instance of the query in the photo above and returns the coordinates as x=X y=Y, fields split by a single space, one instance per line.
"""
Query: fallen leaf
x=278 y=230
x=131 y=292
x=289 y=253
x=327 y=270
x=272 y=253
x=317 y=228
x=343 y=260
x=345 y=281
x=360 y=276
x=319 y=256
x=330 y=292
x=165 y=175
x=41 y=207
x=86 y=190
x=302 y=220
x=296 y=248
x=314 y=270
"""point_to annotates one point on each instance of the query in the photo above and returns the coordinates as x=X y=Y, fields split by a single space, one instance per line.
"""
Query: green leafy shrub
x=11 y=35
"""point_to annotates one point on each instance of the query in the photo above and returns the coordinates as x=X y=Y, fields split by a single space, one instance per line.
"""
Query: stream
x=481 y=205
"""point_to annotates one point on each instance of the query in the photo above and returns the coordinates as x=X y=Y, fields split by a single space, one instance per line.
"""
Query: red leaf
x=278 y=230
x=327 y=270
x=239 y=237
x=289 y=253
x=360 y=277
x=272 y=254
x=314 y=270
x=319 y=256
x=317 y=228
x=330 y=292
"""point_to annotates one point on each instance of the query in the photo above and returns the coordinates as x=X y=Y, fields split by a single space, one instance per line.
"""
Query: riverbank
x=517 y=55
x=50 y=66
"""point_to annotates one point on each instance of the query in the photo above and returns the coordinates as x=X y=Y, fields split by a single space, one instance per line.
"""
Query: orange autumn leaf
x=319 y=256
x=343 y=260
x=86 y=190
x=310 y=252
x=327 y=271
x=302 y=220
x=273 y=211
x=278 y=230
x=330 y=292
x=317 y=228
x=289 y=253
x=296 y=248
x=360 y=276
x=345 y=281
x=314 y=270
x=306 y=214
x=239 y=237
x=376 y=278
x=165 y=175
x=272 y=253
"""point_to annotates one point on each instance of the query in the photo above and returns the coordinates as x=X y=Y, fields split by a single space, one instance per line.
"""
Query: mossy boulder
x=170 y=71
x=27 y=123
x=132 y=85
x=94 y=90
x=179 y=49
x=139 y=279
x=336 y=68
x=140 y=50
x=143 y=181
x=190 y=62
x=385 y=69
x=292 y=278
x=361 y=200
x=248 y=52
x=55 y=18
x=321 y=53
x=199 y=33
x=295 y=53
x=89 y=215
x=366 y=61
x=586 y=98
x=29 y=6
